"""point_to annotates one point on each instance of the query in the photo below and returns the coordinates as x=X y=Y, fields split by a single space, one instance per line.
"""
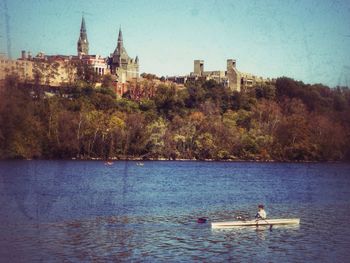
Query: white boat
x=260 y=222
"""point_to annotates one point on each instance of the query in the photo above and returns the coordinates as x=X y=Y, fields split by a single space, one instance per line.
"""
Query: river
x=86 y=211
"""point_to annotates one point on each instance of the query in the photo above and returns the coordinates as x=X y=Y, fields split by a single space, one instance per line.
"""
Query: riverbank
x=139 y=159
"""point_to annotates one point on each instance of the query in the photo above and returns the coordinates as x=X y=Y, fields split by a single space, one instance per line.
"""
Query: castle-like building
x=121 y=65
x=83 y=43
x=231 y=77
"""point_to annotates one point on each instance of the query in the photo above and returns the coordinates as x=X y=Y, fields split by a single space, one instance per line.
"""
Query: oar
x=202 y=220
x=265 y=221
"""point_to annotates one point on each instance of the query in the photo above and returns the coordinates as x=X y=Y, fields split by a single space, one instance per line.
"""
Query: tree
x=265 y=91
x=107 y=81
x=196 y=95
x=155 y=145
x=141 y=90
x=149 y=76
x=329 y=138
x=20 y=130
x=293 y=136
x=136 y=135
x=85 y=73
x=205 y=146
x=67 y=140
x=167 y=101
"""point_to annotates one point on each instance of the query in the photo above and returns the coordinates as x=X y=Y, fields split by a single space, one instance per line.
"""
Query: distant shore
x=140 y=159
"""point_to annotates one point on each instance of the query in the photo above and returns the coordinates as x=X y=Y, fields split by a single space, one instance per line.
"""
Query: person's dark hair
x=261 y=206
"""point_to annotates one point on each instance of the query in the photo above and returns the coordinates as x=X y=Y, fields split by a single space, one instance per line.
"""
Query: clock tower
x=83 y=43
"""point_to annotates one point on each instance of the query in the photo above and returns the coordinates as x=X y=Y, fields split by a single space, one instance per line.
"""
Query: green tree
x=155 y=145
x=136 y=135
x=85 y=74
x=20 y=129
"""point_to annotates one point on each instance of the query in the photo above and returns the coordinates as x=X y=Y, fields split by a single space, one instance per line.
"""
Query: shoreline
x=139 y=159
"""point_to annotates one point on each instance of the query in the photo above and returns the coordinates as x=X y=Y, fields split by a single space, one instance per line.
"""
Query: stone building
x=217 y=75
x=98 y=63
x=121 y=65
x=231 y=77
x=41 y=69
x=54 y=70
x=23 y=69
x=83 y=43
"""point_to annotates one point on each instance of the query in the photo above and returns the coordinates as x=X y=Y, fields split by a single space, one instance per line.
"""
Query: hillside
x=288 y=121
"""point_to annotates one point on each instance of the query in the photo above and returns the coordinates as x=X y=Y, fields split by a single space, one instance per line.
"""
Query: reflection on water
x=86 y=211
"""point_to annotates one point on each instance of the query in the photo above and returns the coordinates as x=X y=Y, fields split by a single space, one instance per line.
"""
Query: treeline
x=284 y=121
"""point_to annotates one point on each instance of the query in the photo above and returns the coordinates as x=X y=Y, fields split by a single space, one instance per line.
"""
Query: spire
x=120 y=53
x=83 y=27
x=83 y=43
x=120 y=39
x=137 y=59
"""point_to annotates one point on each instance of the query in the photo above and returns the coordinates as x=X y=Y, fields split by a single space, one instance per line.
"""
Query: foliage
x=148 y=76
x=285 y=121
x=86 y=73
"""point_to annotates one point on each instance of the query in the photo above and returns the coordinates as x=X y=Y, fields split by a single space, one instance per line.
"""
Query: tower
x=120 y=56
x=83 y=43
x=198 y=67
x=233 y=76
x=120 y=39
x=120 y=64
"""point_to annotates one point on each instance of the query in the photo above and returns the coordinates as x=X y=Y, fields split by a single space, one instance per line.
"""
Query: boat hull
x=260 y=222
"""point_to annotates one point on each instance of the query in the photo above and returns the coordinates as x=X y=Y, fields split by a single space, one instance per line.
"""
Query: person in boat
x=261 y=213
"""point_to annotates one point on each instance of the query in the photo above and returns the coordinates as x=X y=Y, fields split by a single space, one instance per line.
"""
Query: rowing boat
x=260 y=222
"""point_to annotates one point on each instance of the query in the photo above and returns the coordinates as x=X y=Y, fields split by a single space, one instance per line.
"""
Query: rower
x=261 y=213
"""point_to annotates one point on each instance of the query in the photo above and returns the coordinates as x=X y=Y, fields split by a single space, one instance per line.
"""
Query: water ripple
x=82 y=212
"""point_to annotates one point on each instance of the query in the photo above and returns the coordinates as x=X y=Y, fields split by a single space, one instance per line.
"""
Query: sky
x=308 y=40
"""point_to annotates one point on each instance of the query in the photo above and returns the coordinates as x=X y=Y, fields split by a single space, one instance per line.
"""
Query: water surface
x=79 y=211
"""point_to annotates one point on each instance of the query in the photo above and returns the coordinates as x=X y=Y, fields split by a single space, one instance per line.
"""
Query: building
x=41 y=69
x=121 y=65
x=23 y=69
x=233 y=76
x=56 y=70
x=230 y=77
x=83 y=43
x=53 y=70
x=97 y=62
x=217 y=75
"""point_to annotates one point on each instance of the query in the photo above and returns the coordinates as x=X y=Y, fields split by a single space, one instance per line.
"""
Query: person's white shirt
x=262 y=213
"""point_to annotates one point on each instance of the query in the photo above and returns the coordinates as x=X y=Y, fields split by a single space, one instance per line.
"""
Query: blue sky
x=308 y=40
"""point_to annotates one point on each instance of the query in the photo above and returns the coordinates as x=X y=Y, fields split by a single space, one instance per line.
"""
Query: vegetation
x=288 y=121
